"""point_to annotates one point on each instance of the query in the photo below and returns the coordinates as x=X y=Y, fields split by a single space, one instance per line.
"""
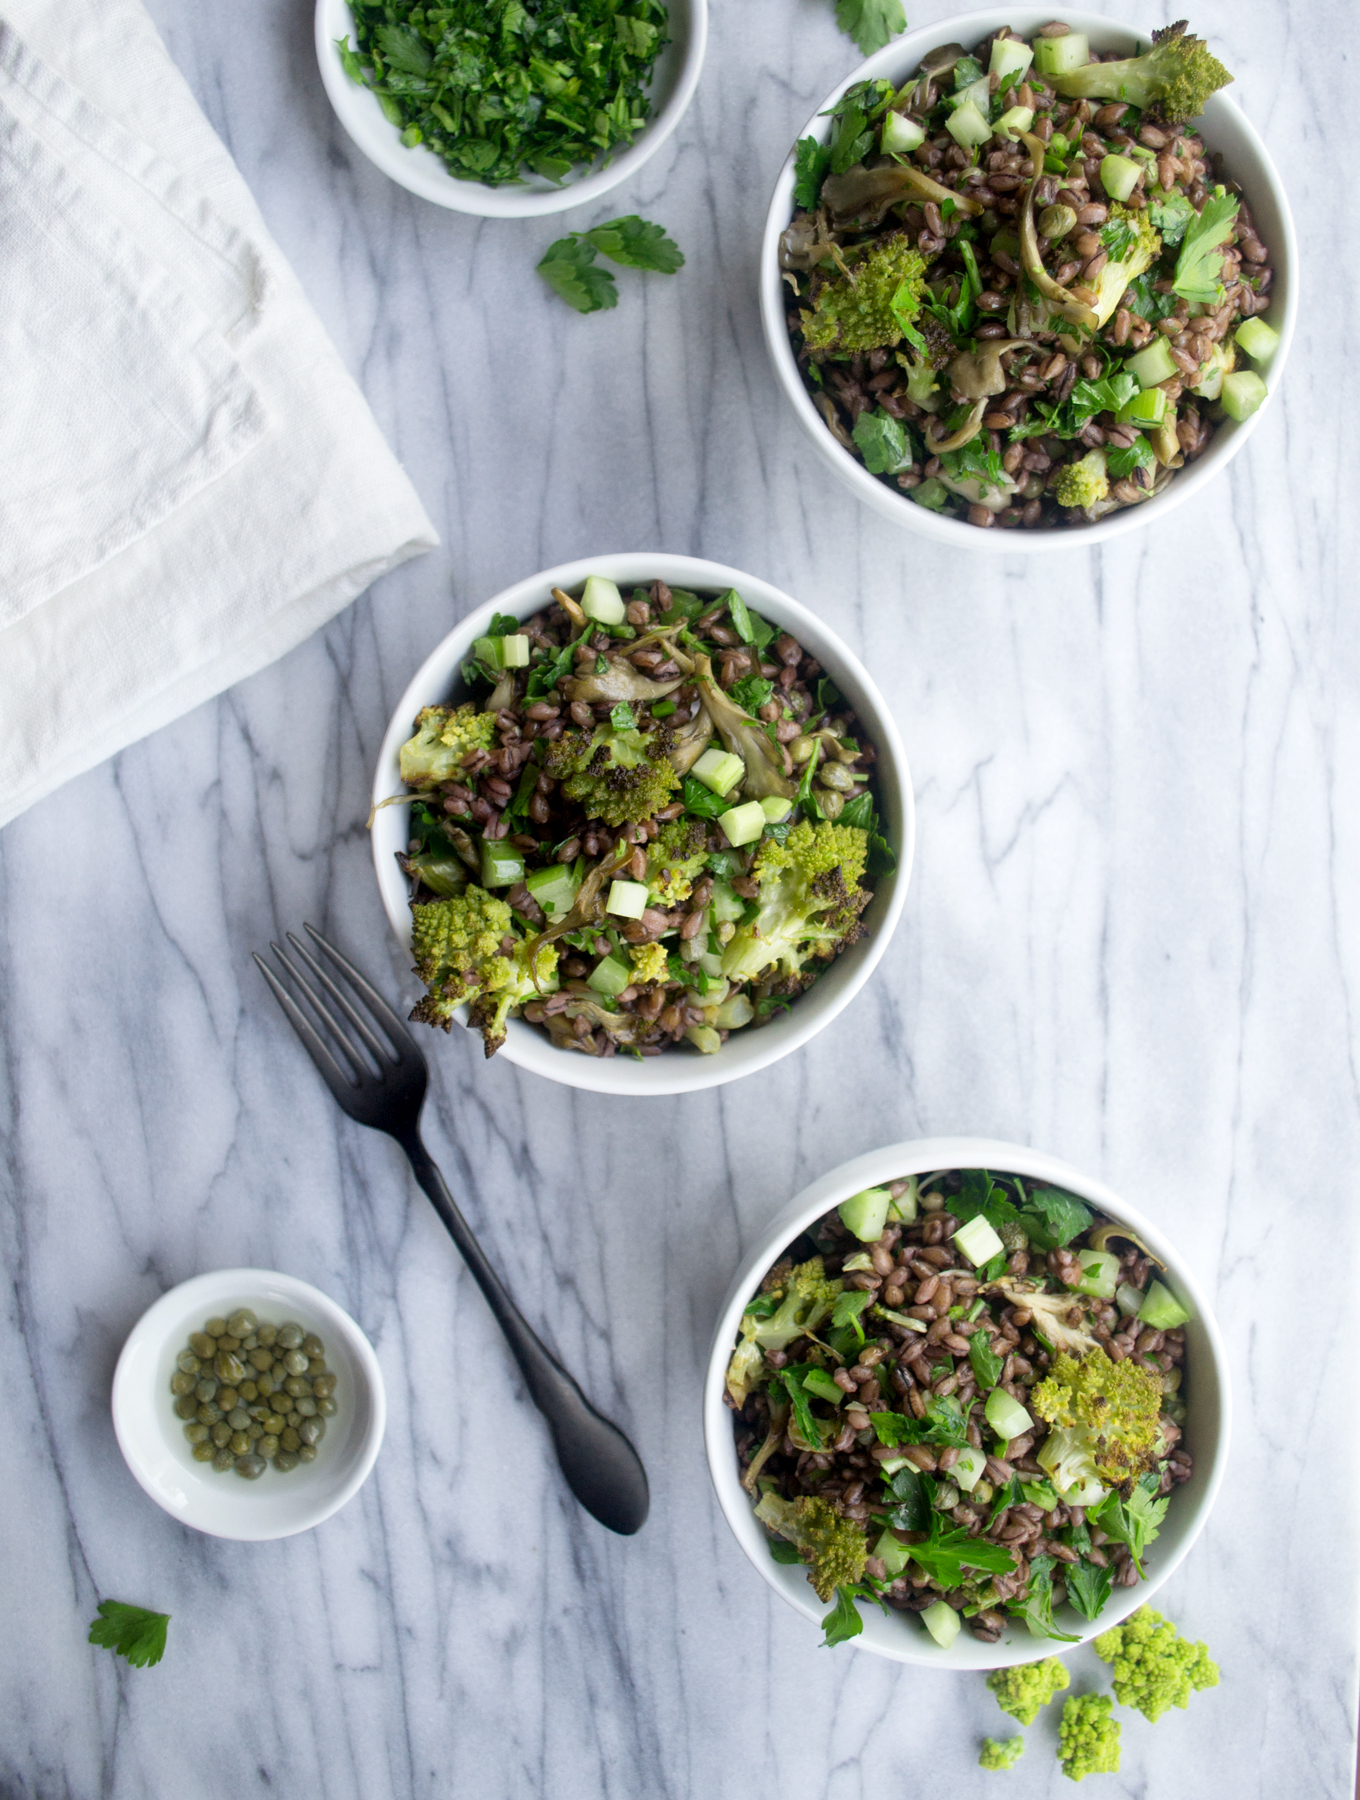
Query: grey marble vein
x=1131 y=939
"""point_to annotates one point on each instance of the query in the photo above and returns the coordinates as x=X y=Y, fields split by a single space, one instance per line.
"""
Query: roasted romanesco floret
x=1022 y=1692
x=650 y=963
x=444 y=738
x=835 y=1547
x=1174 y=78
x=457 y=947
x=809 y=901
x=1083 y=483
x=1154 y=1667
x=1088 y=1738
x=806 y=1299
x=675 y=861
x=875 y=304
x=1135 y=259
x=616 y=775
x=1001 y=1753
x=1111 y=1408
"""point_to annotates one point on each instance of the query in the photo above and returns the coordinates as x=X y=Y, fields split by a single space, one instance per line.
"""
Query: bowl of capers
x=248 y=1404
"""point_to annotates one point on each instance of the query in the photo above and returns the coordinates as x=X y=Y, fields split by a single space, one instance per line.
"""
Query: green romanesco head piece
x=675 y=861
x=1088 y=1738
x=874 y=305
x=1083 y=483
x=1135 y=258
x=650 y=963
x=1115 y=1404
x=444 y=738
x=1154 y=1667
x=1024 y=1691
x=616 y=775
x=835 y=1547
x=457 y=947
x=1001 y=1753
x=807 y=1299
x=809 y=902
x=1173 y=79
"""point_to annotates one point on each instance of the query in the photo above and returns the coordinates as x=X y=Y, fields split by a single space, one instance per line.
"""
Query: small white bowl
x=901 y=1637
x=675 y=1071
x=674 y=80
x=152 y=1438
x=1224 y=127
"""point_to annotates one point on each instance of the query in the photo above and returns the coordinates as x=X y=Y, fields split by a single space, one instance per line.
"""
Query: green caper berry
x=267 y=1333
x=296 y=1385
x=306 y=1452
x=289 y=1335
x=215 y=1328
x=196 y=1433
x=249 y=1391
x=228 y=1367
x=312 y=1345
x=250 y=1468
x=228 y=1398
x=208 y=1413
x=222 y=1461
x=285 y=1461
x=186 y=1407
x=180 y=1383
x=202 y=1345
x=311 y=1431
x=188 y=1362
x=238 y=1418
x=238 y=1443
x=261 y=1359
x=326 y=1407
x=204 y=1452
x=267 y=1444
x=307 y=1407
x=289 y=1438
x=317 y=1366
x=207 y=1388
x=221 y=1434
x=242 y=1321
x=295 y=1362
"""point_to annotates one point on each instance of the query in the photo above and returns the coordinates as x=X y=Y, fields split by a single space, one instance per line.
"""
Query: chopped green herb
x=871 y=23
x=1199 y=267
x=569 y=267
x=130 y=1631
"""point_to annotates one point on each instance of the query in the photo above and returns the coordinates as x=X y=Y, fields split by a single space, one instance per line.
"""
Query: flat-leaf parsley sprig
x=130 y=1631
x=570 y=269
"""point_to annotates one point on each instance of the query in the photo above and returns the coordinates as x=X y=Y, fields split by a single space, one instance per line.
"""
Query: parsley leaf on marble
x=130 y=1631
x=870 y=22
x=569 y=266
x=636 y=243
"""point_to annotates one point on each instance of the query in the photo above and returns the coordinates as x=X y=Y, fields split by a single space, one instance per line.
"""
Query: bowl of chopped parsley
x=1033 y=281
x=515 y=108
x=965 y=1406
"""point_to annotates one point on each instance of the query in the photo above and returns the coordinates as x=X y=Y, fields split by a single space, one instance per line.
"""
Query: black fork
x=602 y=1468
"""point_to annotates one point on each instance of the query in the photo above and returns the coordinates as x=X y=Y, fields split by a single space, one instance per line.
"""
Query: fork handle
x=602 y=1468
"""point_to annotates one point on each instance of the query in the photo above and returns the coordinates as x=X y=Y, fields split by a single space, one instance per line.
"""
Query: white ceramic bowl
x=1224 y=127
x=152 y=1438
x=1206 y=1391
x=673 y=83
x=677 y=1071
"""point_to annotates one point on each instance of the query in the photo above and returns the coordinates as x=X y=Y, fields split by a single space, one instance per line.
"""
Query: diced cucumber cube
x=1147 y=408
x=977 y=94
x=1243 y=393
x=743 y=824
x=969 y=130
x=866 y=1213
x=942 y=1622
x=627 y=899
x=904 y=1207
x=892 y=1553
x=775 y=809
x=1013 y=120
x=705 y=1039
x=1007 y=1418
x=1259 y=340
x=727 y=906
x=1099 y=1274
x=510 y=652
x=901 y=135
x=554 y=888
x=719 y=771
x=968 y=1470
x=1118 y=175
x=1010 y=56
x=1060 y=55
x=502 y=864
x=602 y=601
x=1129 y=1300
x=1161 y=1309
x=818 y=1382
x=611 y=975
x=1153 y=364
x=978 y=1241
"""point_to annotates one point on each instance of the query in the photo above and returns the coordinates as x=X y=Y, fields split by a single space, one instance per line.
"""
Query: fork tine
x=381 y=1054
x=360 y=1069
x=340 y=1084
x=391 y=1024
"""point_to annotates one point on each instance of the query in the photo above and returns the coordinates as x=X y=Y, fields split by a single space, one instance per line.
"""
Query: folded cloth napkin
x=190 y=483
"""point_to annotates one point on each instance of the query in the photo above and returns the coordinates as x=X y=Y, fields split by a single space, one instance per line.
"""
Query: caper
x=311 y=1431
x=267 y=1333
x=188 y=1362
x=238 y=1418
x=186 y=1407
x=207 y=1387
x=265 y=1386
x=289 y=1335
x=208 y=1413
x=254 y=1431
x=323 y=1386
x=307 y=1406
x=295 y=1362
x=180 y=1383
x=285 y=1461
x=215 y=1328
x=228 y=1398
x=289 y=1438
x=317 y=1366
x=1057 y=222
x=297 y=1385
x=242 y=1322
x=231 y=1402
x=831 y=803
x=228 y=1367
x=250 y=1467
x=278 y=1374
x=202 y=1345
x=221 y=1434
x=836 y=775
x=306 y=1452
x=228 y=1342
x=204 y=1452
x=261 y=1359
x=326 y=1407
x=239 y=1444
x=312 y=1346
x=801 y=748
x=267 y=1444
x=294 y=1418
x=223 y=1461
x=249 y=1391
x=250 y=1341
x=196 y=1433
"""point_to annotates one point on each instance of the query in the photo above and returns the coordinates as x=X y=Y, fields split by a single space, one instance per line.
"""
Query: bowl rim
x=666 y=1074
x=427 y=178
x=916 y=1156
x=137 y=1420
x=895 y=61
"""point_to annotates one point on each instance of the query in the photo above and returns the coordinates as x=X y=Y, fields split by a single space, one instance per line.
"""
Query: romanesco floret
x=612 y=773
x=444 y=738
x=457 y=947
x=1001 y=1753
x=650 y=963
x=804 y=1301
x=809 y=901
x=835 y=1547
x=1132 y=262
x=1154 y=1667
x=1173 y=79
x=1083 y=483
x=675 y=861
x=871 y=306
x=1088 y=1738
x=1111 y=1407
x=1022 y=1692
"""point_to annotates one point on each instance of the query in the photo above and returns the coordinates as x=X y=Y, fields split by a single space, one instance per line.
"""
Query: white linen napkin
x=190 y=483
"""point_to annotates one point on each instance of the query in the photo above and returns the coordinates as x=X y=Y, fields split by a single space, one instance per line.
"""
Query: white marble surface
x=1130 y=939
